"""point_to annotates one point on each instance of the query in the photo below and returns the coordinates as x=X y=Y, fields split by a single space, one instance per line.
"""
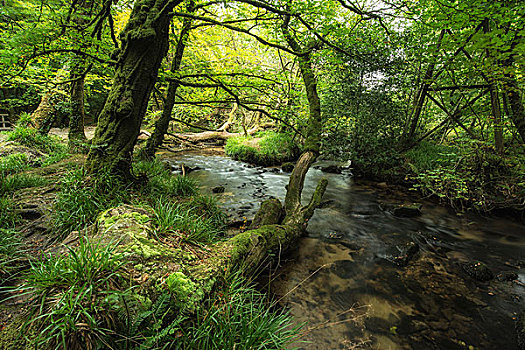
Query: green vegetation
x=11 y=252
x=81 y=199
x=237 y=316
x=73 y=296
x=185 y=222
x=267 y=148
x=32 y=138
x=468 y=174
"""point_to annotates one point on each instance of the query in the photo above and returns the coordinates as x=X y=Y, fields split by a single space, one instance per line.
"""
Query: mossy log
x=153 y=261
x=213 y=135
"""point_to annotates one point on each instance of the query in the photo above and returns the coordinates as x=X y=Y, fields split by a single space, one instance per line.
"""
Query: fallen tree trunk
x=212 y=135
x=131 y=227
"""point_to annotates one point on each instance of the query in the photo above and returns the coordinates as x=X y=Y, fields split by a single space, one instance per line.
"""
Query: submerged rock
x=333 y=169
x=478 y=271
x=287 y=167
x=507 y=276
x=407 y=210
x=520 y=330
x=406 y=253
x=326 y=203
x=218 y=189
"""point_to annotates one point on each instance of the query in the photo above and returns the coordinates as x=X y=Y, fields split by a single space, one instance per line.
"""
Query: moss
x=186 y=292
x=12 y=338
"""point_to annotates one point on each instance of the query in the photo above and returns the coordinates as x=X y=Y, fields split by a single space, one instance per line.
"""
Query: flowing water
x=341 y=278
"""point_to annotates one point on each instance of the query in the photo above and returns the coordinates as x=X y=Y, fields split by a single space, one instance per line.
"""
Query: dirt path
x=62 y=133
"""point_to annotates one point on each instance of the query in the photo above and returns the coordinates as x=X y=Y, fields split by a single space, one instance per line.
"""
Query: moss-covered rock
x=268 y=149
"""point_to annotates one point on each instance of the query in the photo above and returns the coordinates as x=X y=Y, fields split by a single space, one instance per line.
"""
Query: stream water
x=341 y=278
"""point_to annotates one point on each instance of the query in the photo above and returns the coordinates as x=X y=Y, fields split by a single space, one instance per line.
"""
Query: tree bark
x=77 y=115
x=44 y=115
x=162 y=124
x=144 y=45
x=494 y=101
x=419 y=100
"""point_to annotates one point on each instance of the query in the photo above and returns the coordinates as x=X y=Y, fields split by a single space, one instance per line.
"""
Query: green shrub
x=469 y=174
x=268 y=148
x=71 y=297
x=428 y=156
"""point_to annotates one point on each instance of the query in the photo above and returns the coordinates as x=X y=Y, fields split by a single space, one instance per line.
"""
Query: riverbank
x=88 y=260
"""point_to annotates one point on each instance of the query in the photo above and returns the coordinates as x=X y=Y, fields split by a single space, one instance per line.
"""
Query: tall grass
x=11 y=251
x=238 y=317
x=70 y=297
x=32 y=138
x=271 y=149
x=181 y=220
x=81 y=198
x=162 y=183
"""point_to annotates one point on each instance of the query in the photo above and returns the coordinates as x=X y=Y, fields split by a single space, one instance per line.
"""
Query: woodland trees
x=369 y=80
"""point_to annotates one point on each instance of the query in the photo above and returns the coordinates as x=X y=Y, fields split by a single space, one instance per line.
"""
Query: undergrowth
x=184 y=221
x=467 y=174
x=81 y=198
x=71 y=297
x=237 y=316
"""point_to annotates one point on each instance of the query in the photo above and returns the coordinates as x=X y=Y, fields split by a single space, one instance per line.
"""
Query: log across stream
x=353 y=279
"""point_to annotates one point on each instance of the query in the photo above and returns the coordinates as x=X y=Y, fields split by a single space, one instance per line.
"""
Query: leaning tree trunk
x=162 y=124
x=513 y=93
x=144 y=46
x=43 y=116
x=77 y=114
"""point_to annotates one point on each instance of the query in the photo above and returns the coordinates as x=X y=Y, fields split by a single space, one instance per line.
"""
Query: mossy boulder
x=266 y=149
x=478 y=271
x=287 y=167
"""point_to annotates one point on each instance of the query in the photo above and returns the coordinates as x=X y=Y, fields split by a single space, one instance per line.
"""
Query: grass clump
x=8 y=218
x=183 y=221
x=238 y=316
x=13 y=183
x=266 y=149
x=71 y=297
x=162 y=183
x=10 y=253
x=81 y=198
x=234 y=316
x=30 y=137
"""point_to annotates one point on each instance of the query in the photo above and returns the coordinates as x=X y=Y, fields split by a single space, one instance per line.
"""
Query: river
x=342 y=279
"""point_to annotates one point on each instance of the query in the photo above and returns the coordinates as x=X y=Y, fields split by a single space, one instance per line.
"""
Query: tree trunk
x=419 y=99
x=494 y=101
x=43 y=116
x=144 y=45
x=514 y=97
x=162 y=124
x=77 y=115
